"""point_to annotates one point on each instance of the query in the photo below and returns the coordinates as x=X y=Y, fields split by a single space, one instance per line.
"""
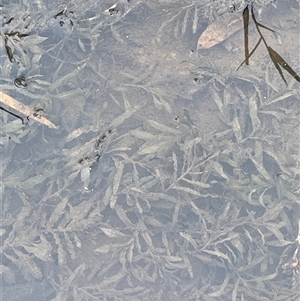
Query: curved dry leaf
x=220 y=30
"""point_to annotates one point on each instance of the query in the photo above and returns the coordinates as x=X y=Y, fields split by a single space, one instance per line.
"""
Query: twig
x=21 y=108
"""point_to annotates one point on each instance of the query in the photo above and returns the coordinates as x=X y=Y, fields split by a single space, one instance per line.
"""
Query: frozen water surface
x=171 y=176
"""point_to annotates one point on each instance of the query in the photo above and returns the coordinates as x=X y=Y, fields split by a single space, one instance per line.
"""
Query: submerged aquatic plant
x=277 y=60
